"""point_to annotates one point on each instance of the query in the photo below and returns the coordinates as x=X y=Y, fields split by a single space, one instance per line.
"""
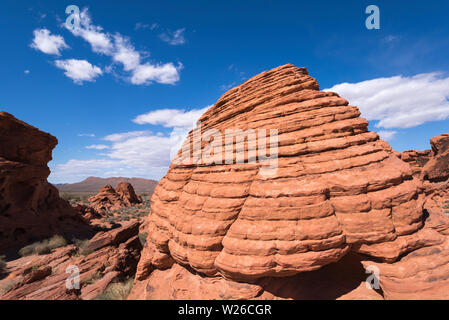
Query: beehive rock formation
x=30 y=207
x=109 y=198
x=126 y=192
x=337 y=188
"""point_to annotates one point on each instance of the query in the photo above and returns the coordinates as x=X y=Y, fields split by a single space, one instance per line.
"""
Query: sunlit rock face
x=334 y=190
x=30 y=207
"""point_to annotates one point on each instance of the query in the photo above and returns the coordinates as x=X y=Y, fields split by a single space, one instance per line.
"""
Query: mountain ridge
x=94 y=184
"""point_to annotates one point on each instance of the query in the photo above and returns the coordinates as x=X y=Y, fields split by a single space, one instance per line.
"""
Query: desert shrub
x=44 y=246
x=117 y=291
x=70 y=196
x=82 y=245
x=6 y=285
x=143 y=237
x=2 y=264
x=96 y=276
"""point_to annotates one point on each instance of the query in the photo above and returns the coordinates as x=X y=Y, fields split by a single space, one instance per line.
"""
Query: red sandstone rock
x=437 y=169
x=126 y=192
x=337 y=186
x=30 y=207
x=109 y=199
x=44 y=276
x=338 y=190
x=87 y=212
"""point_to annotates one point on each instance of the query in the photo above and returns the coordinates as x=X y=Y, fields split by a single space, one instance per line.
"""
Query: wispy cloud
x=125 y=135
x=399 y=102
x=387 y=134
x=134 y=153
x=174 y=38
x=123 y=52
x=47 y=43
x=79 y=70
x=86 y=135
x=171 y=118
x=98 y=147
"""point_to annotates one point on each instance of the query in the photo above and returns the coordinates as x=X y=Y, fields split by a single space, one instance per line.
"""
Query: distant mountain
x=93 y=184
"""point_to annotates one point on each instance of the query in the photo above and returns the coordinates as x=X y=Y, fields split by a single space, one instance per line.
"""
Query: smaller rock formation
x=127 y=194
x=109 y=198
x=87 y=212
x=110 y=256
x=437 y=168
x=431 y=165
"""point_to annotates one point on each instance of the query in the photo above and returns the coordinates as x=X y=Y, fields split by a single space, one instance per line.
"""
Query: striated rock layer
x=337 y=188
x=109 y=198
x=111 y=256
x=30 y=207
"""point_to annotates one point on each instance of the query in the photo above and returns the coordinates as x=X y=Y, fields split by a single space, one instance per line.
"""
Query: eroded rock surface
x=30 y=207
x=44 y=277
x=338 y=189
x=109 y=198
x=337 y=186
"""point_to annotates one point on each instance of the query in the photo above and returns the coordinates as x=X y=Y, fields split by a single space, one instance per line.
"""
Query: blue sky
x=133 y=60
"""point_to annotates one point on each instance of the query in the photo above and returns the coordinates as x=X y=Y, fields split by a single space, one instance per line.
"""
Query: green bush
x=44 y=246
x=116 y=291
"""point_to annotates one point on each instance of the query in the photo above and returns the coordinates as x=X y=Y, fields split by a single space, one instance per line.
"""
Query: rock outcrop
x=44 y=277
x=127 y=194
x=431 y=165
x=337 y=189
x=109 y=198
x=30 y=207
x=437 y=168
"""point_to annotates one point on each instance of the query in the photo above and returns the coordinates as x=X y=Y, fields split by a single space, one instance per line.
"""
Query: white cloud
x=135 y=153
x=399 y=102
x=86 y=135
x=79 y=70
x=97 y=147
x=146 y=73
x=27 y=72
x=121 y=50
x=47 y=43
x=125 y=53
x=125 y=135
x=387 y=134
x=174 y=38
x=99 y=41
x=171 y=118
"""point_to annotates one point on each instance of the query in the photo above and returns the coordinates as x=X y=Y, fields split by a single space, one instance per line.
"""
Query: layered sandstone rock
x=127 y=193
x=44 y=277
x=30 y=207
x=437 y=168
x=337 y=188
x=109 y=198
